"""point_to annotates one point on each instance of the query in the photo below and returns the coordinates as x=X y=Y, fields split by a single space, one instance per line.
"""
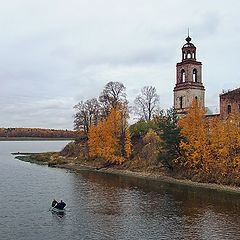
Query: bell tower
x=189 y=84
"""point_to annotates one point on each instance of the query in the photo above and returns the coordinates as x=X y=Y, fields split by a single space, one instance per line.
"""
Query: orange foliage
x=210 y=147
x=128 y=144
x=225 y=144
x=195 y=146
x=104 y=139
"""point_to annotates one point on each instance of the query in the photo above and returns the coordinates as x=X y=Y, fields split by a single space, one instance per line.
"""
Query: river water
x=101 y=206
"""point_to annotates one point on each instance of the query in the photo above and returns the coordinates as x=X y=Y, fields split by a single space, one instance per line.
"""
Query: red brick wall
x=232 y=99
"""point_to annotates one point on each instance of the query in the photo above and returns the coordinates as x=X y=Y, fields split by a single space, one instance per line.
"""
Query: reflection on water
x=158 y=209
x=102 y=206
x=58 y=214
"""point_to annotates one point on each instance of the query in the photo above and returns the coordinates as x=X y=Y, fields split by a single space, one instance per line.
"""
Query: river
x=102 y=206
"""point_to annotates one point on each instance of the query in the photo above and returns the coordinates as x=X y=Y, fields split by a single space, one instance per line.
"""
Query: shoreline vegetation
x=193 y=148
x=16 y=134
x=55 y=160
x=34 y=139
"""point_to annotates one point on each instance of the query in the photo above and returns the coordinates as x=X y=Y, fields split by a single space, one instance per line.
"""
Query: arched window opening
x=196 y=98
x=194 y=75
x=189 y=55
x=181 y=102
x=229 y=109
x=183 y=55
x=194 y=55
x=182 y=75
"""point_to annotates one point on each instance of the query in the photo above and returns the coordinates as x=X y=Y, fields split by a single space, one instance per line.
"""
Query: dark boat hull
x=56 y=210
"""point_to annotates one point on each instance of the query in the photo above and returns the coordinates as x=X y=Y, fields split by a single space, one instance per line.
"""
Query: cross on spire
x=188 y=39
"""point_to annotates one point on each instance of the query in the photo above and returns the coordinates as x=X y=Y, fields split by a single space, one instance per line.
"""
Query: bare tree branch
x=147 y=103
x=86 y=115
x=113 y=94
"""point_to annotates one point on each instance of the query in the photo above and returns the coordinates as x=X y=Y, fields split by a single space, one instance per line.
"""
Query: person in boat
x=61 y=205
x=54 y=203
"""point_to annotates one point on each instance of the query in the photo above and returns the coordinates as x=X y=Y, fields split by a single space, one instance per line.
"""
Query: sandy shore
x=150 y=176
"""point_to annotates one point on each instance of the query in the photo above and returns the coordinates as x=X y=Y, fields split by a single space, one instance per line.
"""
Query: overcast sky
x=54 y=53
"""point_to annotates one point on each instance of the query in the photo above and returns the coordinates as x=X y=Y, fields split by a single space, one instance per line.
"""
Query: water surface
x=103 y=206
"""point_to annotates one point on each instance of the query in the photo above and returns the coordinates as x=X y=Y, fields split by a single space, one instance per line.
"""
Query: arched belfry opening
x=194 y=76
x=183 y=55
x=181 y=102
x=189 y=72
x=229 y=109
x=183 y=75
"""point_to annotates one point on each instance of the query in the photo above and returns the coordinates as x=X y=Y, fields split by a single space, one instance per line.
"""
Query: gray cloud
x=56 y=53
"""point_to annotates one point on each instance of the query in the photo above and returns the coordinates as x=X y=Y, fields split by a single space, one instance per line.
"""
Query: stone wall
x=187 y=95
x=229 y=102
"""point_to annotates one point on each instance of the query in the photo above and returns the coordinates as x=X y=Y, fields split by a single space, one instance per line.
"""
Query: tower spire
x=188 y=39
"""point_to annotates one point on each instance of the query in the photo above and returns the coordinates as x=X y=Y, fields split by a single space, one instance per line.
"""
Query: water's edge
x=142 y=175
x=107 y=203
x=160 y=178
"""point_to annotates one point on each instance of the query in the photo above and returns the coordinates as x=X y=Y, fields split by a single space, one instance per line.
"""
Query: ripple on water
x=101 y=206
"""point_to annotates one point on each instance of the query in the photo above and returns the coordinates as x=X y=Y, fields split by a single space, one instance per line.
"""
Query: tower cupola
x=189 y=85
x=188 y=50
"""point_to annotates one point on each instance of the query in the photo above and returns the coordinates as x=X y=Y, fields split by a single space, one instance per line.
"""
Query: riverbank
x=73 y=164
x=151 y=176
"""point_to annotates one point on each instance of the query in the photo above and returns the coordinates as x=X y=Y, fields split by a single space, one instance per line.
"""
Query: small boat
x=57 y=210
x=58 y=207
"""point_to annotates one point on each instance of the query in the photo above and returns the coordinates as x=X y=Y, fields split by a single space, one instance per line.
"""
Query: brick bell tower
x=189 y=84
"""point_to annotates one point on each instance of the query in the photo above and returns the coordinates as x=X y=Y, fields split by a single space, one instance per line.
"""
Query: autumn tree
x=165 y=125
x=105 y=140
x=87 y=113
x=225 y=146
x=210 y=148
x=96 y=140
x=151 y=148
x=194 y=145
x=113 y=94
x=147 y=103
x=127 y=143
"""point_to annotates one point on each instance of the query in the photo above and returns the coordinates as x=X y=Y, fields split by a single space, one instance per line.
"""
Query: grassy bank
x=53 y=159
x=47 y=158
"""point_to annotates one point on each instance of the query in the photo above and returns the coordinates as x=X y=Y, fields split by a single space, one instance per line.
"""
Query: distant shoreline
x=34 y=139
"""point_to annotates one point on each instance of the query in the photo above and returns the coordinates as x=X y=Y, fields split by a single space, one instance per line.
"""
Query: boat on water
x=56 y=210
x=58 y=207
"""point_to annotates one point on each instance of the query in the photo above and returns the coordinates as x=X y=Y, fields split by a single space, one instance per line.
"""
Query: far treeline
x=193 y=147
x=36 y=133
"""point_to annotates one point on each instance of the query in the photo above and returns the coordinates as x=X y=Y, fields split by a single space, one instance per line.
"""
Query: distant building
x=189 y=84
x=229 y=102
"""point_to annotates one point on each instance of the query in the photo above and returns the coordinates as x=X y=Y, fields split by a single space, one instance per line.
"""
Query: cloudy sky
x=54 y=53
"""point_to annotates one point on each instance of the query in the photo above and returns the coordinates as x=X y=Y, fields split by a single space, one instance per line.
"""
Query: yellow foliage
x=195 y=144
x=104 y=139
x=210 y=145
x=128 y=144
x=151 y=148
